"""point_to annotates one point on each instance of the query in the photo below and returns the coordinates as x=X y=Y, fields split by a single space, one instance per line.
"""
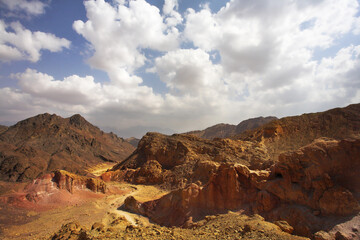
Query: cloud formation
x=30 y=7
x=118 y=33
x=250 y=58
x=19 y=43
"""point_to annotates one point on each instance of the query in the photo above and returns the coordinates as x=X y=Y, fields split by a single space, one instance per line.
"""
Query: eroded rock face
x=179 y=160
x=304 y=188
x=51 y=183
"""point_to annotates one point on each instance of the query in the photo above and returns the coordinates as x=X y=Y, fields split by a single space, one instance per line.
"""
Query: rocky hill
x=180 y=159
x=291 y=133
x=44 y=143
x=223 y=130
x=311 y=189
x=253 y=123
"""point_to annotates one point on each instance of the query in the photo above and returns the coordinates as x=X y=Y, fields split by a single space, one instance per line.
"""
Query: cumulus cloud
x=30 y=7
x=173 y=18
x=19 y=43
x=189 y=71
x=72 y=90
x=119 y=33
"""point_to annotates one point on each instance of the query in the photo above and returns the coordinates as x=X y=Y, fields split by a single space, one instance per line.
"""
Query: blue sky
x=174 y=66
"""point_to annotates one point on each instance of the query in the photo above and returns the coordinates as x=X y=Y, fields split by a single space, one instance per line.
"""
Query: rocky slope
x=311 y=188
x=290 y=133
x=180 y=159
x=53 y=190
x=223 y=130
x=227 y=226
x=44 y=143
x=3 y=128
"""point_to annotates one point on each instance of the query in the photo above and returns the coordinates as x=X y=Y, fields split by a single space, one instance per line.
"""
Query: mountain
x=220 y=130
x=3 y=128
x=223 y=130
x=291 y=133
x=133 y=141
x=177 y=160
x=252 y=123
x=47 y=142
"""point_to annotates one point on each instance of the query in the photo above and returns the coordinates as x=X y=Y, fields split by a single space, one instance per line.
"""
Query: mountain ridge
x=224 y=130
x=48 y=142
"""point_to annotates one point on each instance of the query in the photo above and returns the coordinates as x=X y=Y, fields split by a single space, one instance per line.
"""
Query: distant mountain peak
x=78 y=120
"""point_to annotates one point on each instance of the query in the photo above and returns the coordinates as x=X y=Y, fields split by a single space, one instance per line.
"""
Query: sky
x=132 y=66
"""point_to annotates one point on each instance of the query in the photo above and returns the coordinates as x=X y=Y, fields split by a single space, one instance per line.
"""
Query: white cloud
x=189 y=71
x=72 y=90
x=19 y=43
x=119 y=33
x=173 y=18
x=31 y=7
x=356 y=30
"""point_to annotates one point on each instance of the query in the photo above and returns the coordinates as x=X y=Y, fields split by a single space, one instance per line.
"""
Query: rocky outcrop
x=252 y=123
x=179 y=159
x=69 y=181
x=62 y=180
x=291 y=133
x=223 y=130
x=225 y=226
x=220 y=130
x=45 y=143
x=306 y=188
x=71 y=230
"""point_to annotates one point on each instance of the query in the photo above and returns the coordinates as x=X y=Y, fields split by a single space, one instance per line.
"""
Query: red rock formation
x=305 y=187
x=57 y=189
x=62 y=180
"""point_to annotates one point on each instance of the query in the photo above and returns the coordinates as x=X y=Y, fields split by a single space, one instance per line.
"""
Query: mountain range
x=300 y=173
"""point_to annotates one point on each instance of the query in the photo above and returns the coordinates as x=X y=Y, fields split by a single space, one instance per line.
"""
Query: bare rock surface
x=227 y=226
x=178 y=160
x=306 y=188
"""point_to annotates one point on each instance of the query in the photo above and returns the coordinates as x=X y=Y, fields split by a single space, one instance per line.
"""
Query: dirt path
x=43 y=224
